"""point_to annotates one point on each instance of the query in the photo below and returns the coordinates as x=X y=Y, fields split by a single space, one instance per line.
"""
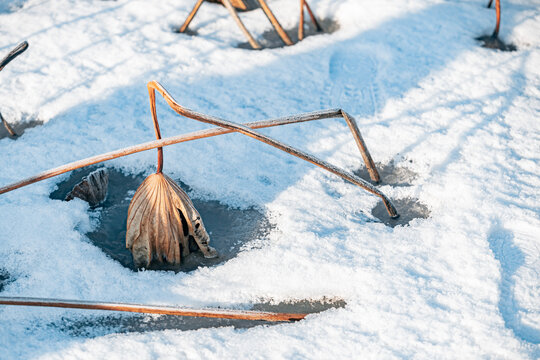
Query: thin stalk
x=7 y=126
x=275 y=23
x=254 y=44
x=498 y=14
x=191 y=16
x=18 y=50
x=312 y=16
x=155 y=86
x=301 y=22
x=152 y=309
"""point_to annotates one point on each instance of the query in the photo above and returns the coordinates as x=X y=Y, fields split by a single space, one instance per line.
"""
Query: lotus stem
x=275 y=23
x=18 y=50
x=498 y=14
x=152 y=309
x=7 y=126
x=191 y=15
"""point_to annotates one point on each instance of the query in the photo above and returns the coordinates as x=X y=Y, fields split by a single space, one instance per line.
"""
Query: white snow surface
x=463 y=283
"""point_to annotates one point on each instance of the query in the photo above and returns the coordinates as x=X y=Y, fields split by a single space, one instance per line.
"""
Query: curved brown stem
x=18 y=50
x=153 y=85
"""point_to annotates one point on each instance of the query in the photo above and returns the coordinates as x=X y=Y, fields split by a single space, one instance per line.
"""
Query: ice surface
x=462 y=283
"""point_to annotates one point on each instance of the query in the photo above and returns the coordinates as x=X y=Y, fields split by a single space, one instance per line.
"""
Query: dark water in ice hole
x=408 y=208
x=125 y=323
x=229 y=228
x=5 y=279
x=490 y=42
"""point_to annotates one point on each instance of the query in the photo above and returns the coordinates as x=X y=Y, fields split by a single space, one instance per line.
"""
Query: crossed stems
x=19 y=49
x=154 y=86
x=226 y=127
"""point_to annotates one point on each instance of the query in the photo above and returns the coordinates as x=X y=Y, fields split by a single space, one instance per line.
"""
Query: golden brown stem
x=272 y=142
x=191 y=16
x=153 y=309
x=301 y=25
x=498 y=12
x=275 y=23
x=254 y=44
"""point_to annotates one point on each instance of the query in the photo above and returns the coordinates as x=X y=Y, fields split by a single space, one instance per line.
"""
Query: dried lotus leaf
x=161 y=220
x=92 y=188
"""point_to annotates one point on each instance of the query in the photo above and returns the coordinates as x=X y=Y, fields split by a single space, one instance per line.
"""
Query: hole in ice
x=91 y=326
x=5 y=279
x=229 y=229
x=391 y=174
x=18 y=127
x=493 y=42
x=271 y=40
x=408 y=208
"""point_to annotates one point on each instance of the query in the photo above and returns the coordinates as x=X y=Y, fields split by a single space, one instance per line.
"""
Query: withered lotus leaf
x=161 y=221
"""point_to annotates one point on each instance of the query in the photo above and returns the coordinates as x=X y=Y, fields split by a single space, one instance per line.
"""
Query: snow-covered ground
x=463 y=283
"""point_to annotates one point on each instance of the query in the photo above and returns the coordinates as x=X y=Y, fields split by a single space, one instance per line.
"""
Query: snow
x=463 y=283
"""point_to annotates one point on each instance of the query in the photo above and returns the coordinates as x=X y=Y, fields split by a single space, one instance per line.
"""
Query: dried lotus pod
x=92 y=188
x=161 y=221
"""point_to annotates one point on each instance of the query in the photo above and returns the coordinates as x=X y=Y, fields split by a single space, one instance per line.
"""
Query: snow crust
x=464 y=283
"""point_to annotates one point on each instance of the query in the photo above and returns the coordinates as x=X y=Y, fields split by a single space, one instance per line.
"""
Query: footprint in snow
x=353 y=82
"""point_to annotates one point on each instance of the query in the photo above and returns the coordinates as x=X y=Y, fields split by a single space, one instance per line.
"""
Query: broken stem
x=153 y=309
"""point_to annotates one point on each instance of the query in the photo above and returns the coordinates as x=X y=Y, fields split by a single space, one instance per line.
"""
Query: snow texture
x=463 y=283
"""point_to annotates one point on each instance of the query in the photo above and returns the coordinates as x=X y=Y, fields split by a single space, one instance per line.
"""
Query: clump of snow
x=464 y=282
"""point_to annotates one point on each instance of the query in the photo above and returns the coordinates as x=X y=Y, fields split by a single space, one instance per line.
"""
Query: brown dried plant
x=162 y=224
